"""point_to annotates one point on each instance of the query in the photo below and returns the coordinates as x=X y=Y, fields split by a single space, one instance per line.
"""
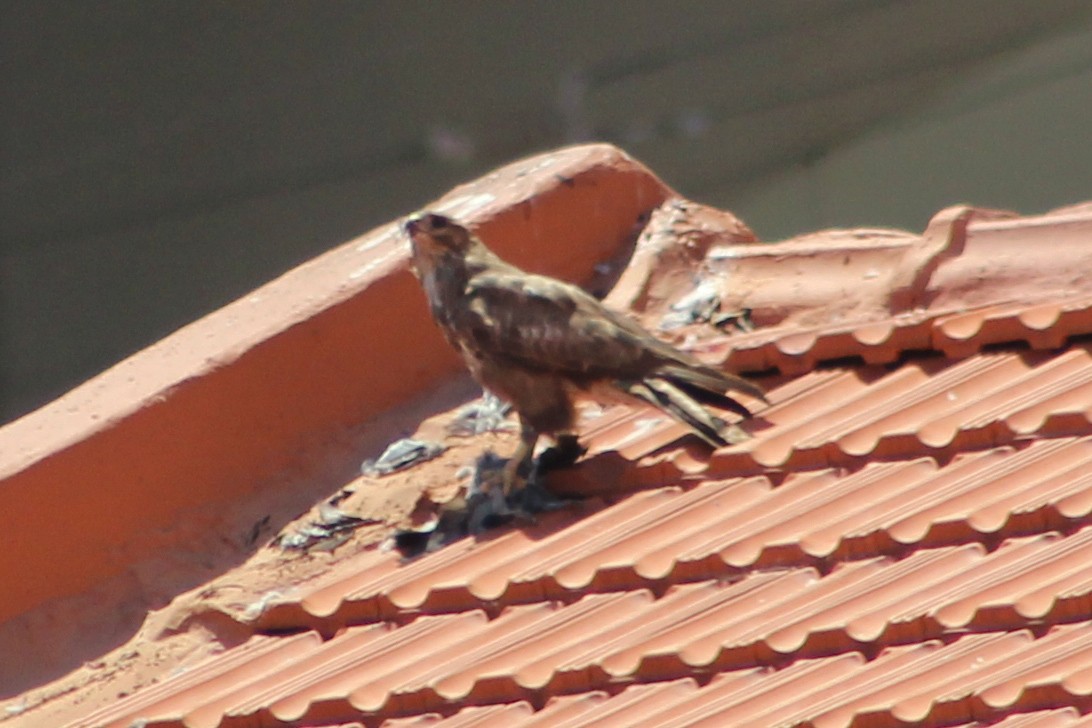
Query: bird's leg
x=518 y=467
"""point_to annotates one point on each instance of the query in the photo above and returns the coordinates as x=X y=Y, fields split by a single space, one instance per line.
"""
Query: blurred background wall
x=162 y=158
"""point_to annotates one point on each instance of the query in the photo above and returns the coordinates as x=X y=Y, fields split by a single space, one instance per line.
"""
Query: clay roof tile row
x=794 y=350
x=839 y=415
x=364 y=671
x=723 y=526
x=601 y=641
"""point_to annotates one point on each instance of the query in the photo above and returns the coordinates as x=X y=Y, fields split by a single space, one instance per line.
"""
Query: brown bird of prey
x=542 y=345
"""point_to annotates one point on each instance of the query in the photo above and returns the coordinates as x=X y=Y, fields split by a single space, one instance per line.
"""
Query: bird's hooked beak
x=413 y=224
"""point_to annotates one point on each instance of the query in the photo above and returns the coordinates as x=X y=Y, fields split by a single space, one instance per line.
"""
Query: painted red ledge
x=270 y=383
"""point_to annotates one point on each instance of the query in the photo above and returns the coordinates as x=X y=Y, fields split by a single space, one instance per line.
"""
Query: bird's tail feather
x=716 y=399
x=681 y=391
x=661 y=393
x=708 y=386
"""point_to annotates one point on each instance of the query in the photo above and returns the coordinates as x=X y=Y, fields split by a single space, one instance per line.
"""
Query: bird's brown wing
x=542 y=325
x=546 y=325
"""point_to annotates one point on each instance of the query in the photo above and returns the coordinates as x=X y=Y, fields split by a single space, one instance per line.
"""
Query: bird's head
x=443 y=247
x=434 y=235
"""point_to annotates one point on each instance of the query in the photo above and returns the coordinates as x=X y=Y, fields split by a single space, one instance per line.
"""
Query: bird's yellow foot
x=518 y=469
x=516 y=473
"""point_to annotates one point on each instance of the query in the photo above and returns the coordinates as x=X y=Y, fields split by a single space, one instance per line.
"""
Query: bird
x=544 y=345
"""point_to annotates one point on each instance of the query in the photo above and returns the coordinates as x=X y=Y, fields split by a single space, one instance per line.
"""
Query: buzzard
x=542 y=345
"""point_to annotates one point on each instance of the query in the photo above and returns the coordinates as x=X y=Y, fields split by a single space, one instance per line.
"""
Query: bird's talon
x=513 y=482
x=562 y=455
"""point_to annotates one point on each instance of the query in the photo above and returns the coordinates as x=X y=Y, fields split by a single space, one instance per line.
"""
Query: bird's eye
x=437 y=221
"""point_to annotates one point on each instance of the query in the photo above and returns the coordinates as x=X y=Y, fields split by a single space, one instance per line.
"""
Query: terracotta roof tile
x=1040 y=719
x=927 y=681
x=837 y=538
x=716 y=626
x=723 y=525
x=673 y=703
x=904 y=539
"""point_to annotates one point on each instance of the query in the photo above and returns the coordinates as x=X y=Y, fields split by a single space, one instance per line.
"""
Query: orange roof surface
x=906 y=538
